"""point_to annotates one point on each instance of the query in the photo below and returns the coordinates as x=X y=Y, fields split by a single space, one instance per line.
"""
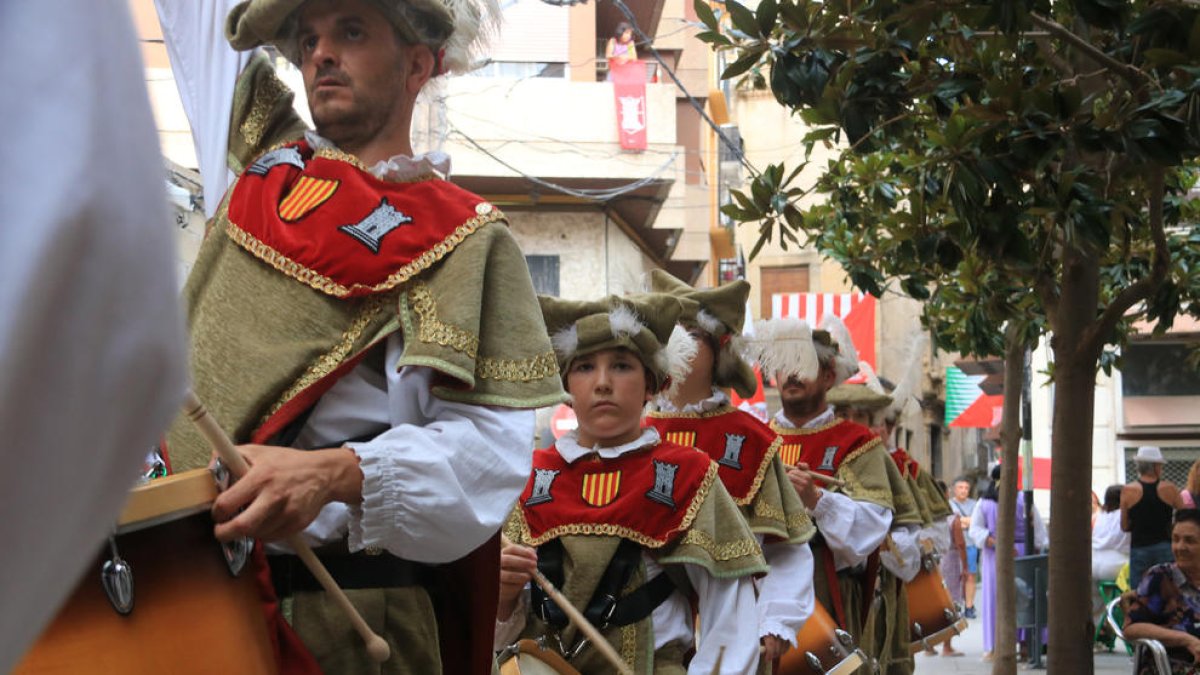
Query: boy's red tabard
x=824 y=448
x=649 y=496
x=908 y=467
x=320 y=217
x=738 y=442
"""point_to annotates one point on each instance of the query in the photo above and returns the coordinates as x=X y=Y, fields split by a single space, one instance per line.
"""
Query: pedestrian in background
x=1146 y=506
x=1191 y=487
x=962 y=504
x=954 y=566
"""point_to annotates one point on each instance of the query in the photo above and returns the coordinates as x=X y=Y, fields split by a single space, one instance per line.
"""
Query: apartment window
x=544 y=270
x=789 y=279
x=1158 y=389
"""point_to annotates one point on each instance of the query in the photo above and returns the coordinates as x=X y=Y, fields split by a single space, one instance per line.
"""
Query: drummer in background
x=385 y=402
x=852 y=521
x=616 y=512
x=698 y=412
x=91 y=336
x=887 y=635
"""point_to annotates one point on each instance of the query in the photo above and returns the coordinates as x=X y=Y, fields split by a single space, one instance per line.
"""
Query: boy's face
x=608 y=391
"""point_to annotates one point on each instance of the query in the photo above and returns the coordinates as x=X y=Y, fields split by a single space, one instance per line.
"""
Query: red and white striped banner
x=856 y=310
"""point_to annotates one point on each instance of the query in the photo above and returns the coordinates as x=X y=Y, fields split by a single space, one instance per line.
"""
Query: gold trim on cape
x=731 y=550
x=266 y=95
x=430 y=329
x=518 y=370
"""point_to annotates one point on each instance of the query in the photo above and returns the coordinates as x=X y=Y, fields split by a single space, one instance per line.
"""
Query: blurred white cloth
x=91 y=336
x=1110 y=546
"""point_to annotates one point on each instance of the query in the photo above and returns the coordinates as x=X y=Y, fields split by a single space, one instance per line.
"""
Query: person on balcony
x=620 y=48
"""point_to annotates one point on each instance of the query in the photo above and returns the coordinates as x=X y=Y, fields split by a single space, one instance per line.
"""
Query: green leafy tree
x=1019 y=165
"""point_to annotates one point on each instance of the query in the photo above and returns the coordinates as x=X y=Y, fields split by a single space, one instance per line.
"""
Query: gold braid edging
x=780 y=429
x=265 y=95
x=629 y=648
x=330 y=360
x=731 y=550
x=518 y=370
x=328 y=286
x=857 y=490
x=608 y=529
x=431 y=329
x=767 y=460
x=715 y=412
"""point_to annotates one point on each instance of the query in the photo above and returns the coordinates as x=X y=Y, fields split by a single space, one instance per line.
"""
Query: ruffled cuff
x=509 y=630
x=374 y=520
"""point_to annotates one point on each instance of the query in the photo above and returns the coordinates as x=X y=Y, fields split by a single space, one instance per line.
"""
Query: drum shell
x=928 y=602
x=190 y=614
x=818 y=636
x=531 y=659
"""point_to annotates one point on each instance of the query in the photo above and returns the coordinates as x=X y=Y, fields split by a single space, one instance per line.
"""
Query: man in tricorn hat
x=366 y=330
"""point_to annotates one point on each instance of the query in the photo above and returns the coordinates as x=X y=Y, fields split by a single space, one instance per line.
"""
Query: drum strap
x=350 y=570
x=835 y=591
x=606 y=608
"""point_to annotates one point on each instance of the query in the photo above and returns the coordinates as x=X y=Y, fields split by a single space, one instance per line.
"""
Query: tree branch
x=1143 y=288
x=1125 y=70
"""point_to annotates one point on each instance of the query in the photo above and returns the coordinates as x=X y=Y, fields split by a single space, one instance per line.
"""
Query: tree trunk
x=1005 y=657
x=1075 y=359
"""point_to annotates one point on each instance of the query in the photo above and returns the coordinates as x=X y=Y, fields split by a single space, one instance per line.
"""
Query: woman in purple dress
x=984 y=522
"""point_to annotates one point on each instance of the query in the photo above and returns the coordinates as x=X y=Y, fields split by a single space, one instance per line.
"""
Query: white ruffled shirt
x=439 y=477
x=726 y=605
x=785 y=594
x=852 y=529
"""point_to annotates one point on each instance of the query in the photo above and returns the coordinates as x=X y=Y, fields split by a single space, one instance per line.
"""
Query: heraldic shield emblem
x=684 y=438
x=307 y=194
x=600 y=489
x=790 y=453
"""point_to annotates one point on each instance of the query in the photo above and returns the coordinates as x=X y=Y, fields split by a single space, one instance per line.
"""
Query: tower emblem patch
x=733 y=451
x=664 y=483
x=274 y=158
x=307 y=194
x=827 y=460
x=543 y=480
x=600 y=489
x=372 y=229
x=790 y=453
x=685 y=438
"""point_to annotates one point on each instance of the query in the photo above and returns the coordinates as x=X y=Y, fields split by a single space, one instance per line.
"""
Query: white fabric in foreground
x=91 y=336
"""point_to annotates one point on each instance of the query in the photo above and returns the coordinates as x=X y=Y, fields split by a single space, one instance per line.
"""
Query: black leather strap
x=350 y=571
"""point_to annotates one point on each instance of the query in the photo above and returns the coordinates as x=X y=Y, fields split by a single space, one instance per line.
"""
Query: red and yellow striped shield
x=685 y=438
x=790 y=453
x=599 y=489
x=307 y=194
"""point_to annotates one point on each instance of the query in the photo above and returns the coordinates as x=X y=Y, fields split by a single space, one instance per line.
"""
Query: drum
x=160 y=597
x=527 y=657
x=822 y=647
x=933 y=619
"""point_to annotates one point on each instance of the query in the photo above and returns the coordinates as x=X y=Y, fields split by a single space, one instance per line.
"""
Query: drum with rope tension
x=527 y=657
x=933 y=618
x=821 y=647
x=162 y=596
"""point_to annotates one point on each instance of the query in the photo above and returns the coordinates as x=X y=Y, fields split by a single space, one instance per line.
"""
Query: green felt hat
x=720 y=312
x=454 y=28
x=642 y=324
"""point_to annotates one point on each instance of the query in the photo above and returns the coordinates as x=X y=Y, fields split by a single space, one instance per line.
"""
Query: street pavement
x=971 y=643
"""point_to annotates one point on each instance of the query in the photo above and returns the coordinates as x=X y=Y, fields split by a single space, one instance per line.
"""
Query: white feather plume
x=711 y=324
x=910 y=378
x=781 y=348
x=675 y=358
x=476 y=23
x=846 y=363
x=624 y=322
x=565 y=342
x=872 y=380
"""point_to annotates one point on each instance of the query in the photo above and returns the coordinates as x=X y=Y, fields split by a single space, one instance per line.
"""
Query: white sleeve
x=978 y=533
x=443 y=479
x=903 y=558
x=785 y=595
x=92 y=345
x=726 y=621
x=205 y=69
x=852 y=528
x=939 y=533
x=509 y=630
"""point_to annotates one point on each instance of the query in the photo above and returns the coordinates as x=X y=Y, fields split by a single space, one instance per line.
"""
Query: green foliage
x=977 y=143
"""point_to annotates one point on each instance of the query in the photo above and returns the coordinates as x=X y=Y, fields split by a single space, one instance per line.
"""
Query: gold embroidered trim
x=431 y=329
x=266 y=94
x=765 y=509
x=730 y=550
x=857 y=490
x=715 y=412
x=330 y=360
x=863 y=449
x=328 y=286
x=767 y=459
x=518 y=370
x=610 y=530
x=780 y=429
x=629 y=648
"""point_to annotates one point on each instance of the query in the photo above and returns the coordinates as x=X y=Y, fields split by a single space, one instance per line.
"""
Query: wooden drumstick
x=576 y=617
x=821 y=477
x=377 y=647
